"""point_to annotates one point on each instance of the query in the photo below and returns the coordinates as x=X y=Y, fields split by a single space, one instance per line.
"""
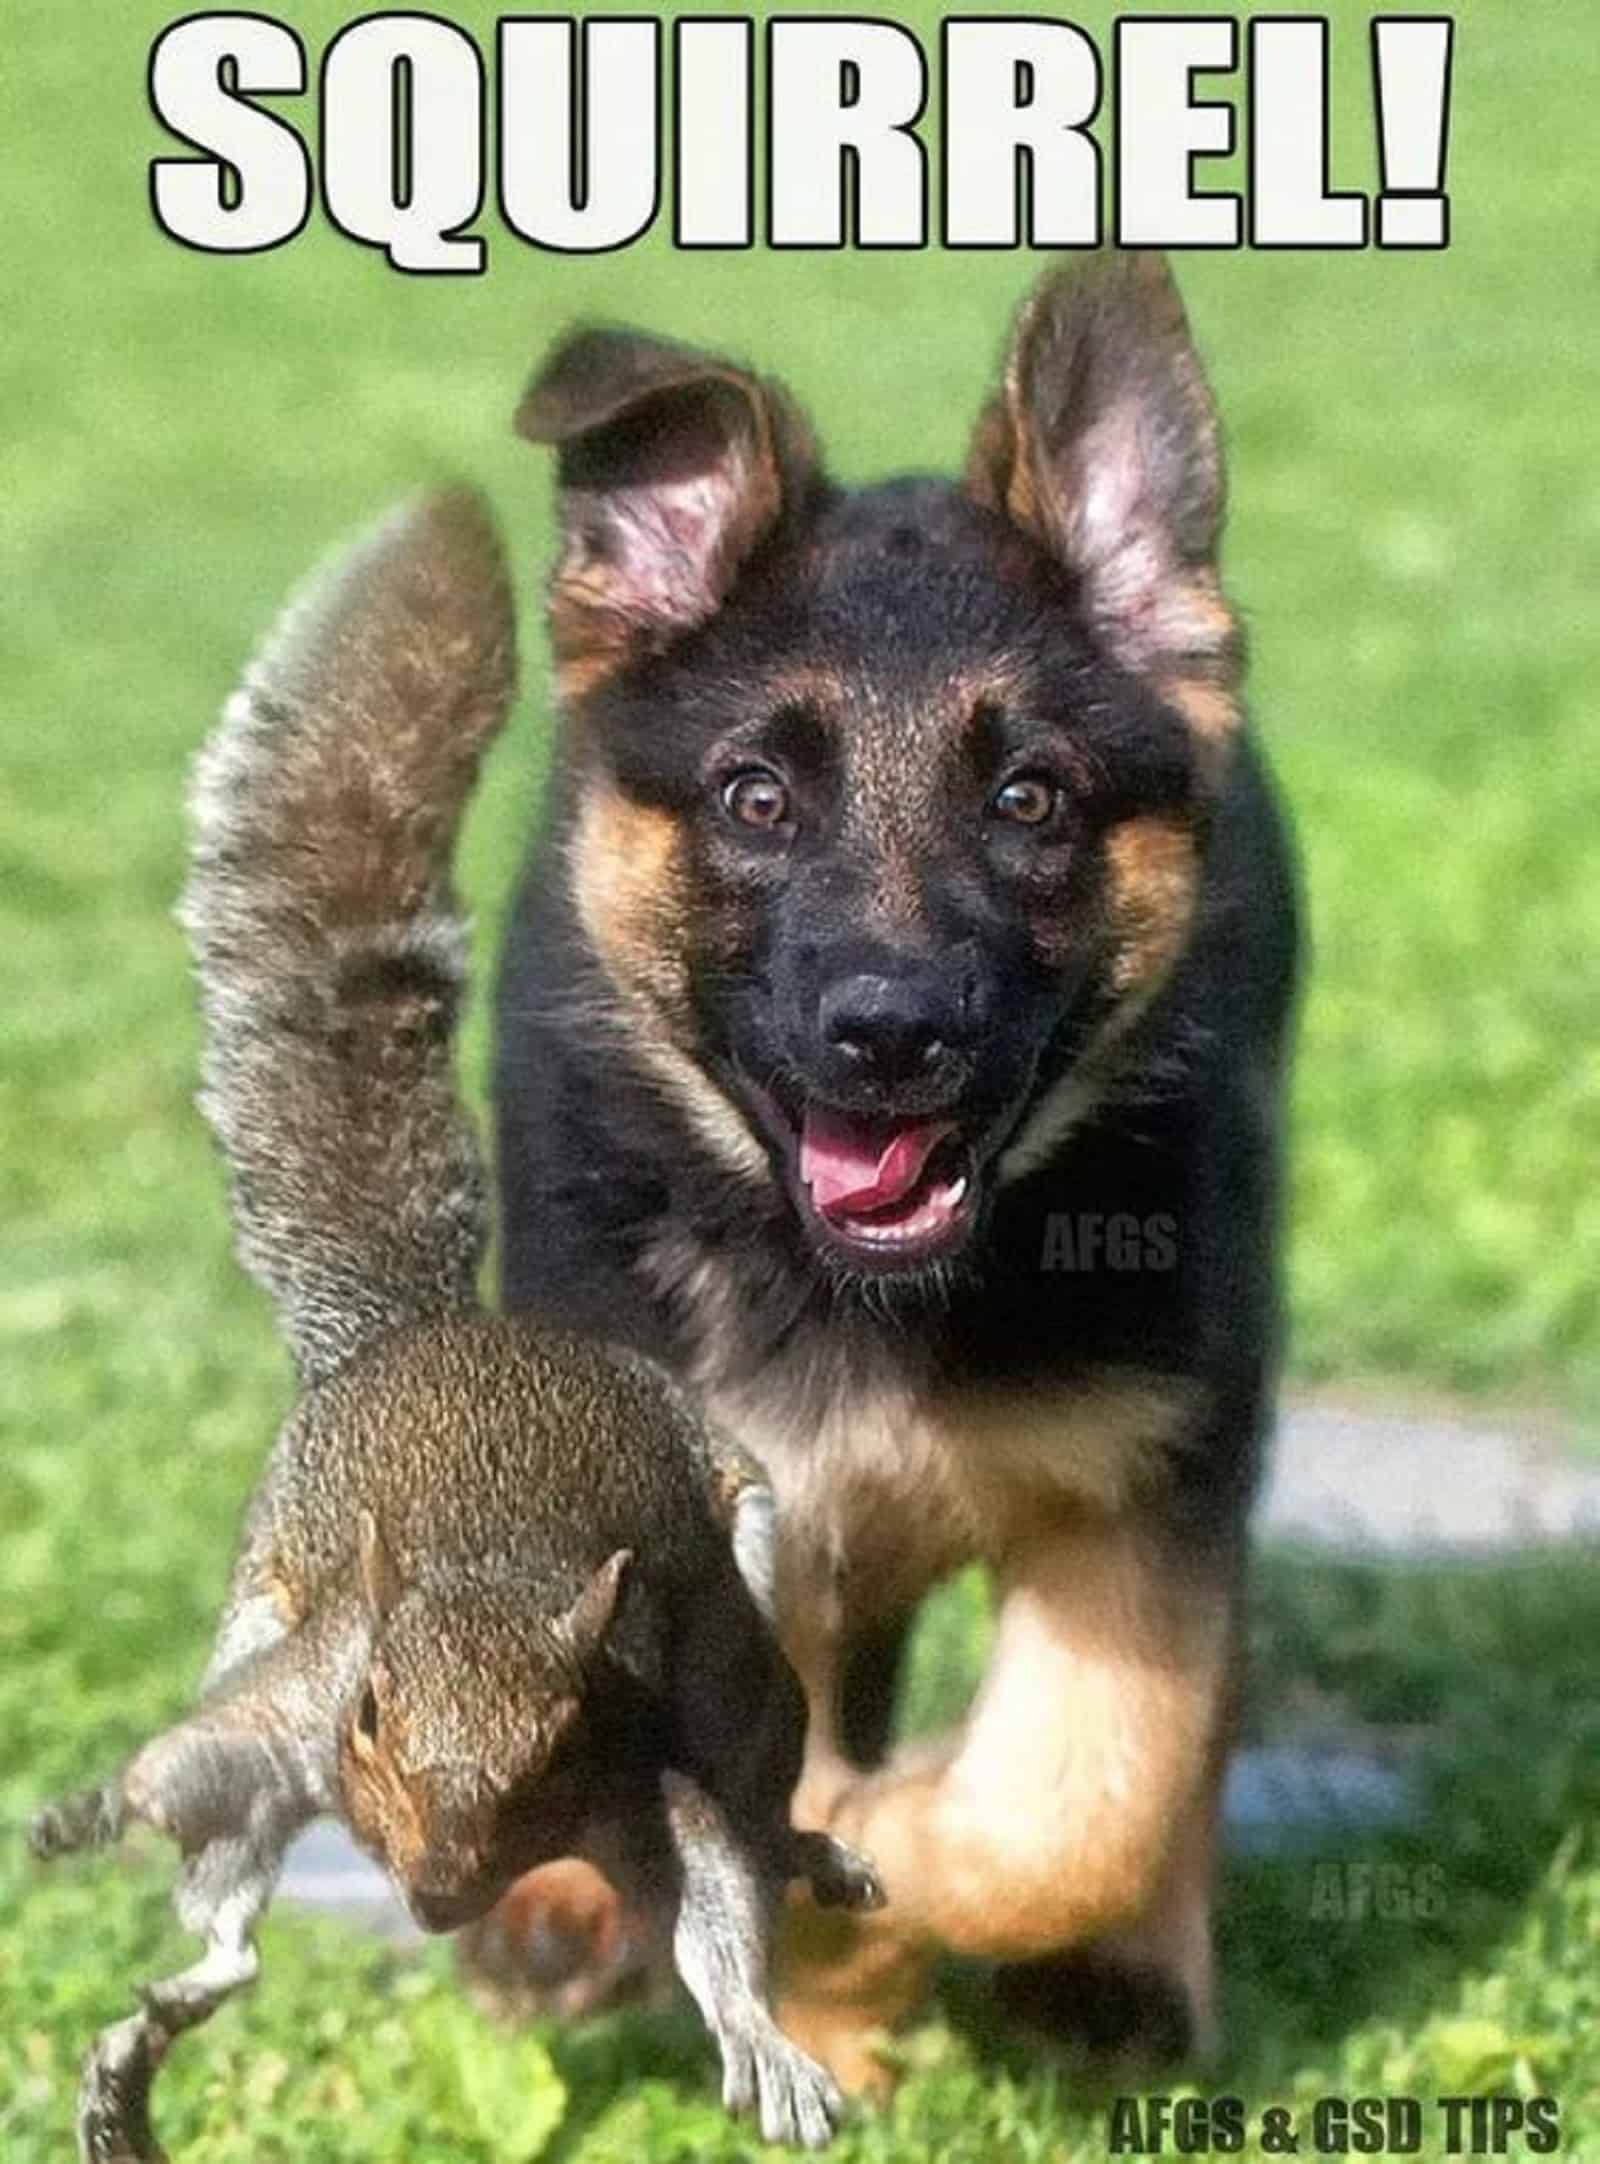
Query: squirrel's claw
x=798 y=2103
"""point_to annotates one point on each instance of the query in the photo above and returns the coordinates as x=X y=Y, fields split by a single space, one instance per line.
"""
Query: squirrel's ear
x=583 y=1628
x=380 y=1581
x=674 y=466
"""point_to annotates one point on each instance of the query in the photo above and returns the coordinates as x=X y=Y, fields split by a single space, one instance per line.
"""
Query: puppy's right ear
x=675 y=467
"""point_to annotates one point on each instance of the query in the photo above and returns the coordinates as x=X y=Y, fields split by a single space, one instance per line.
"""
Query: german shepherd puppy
x=892 y=1039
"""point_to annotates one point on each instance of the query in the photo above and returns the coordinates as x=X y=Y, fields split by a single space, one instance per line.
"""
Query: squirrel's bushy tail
x=331 y=955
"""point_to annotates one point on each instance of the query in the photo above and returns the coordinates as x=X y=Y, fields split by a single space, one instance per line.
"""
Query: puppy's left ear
x=1102 y=444
x=675 y=467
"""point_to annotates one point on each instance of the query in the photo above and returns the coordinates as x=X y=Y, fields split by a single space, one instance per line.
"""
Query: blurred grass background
x=1416 y=543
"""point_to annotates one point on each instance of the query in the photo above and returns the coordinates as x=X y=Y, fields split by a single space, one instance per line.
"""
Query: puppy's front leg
x=1078 y=1791
x=840 y=1987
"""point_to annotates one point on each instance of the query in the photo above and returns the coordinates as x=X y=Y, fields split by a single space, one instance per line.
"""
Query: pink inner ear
x=1114 y=534
x=667 y=546
x=1117 y=535
x=1110 y=476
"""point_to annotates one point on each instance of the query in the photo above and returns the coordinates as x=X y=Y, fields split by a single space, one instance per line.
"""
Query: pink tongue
x=850 y=1166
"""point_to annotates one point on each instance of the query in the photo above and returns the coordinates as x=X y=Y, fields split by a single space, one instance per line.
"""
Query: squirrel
x=499 y=1595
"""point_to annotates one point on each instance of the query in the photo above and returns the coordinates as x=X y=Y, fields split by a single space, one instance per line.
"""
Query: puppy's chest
x=895 y=1486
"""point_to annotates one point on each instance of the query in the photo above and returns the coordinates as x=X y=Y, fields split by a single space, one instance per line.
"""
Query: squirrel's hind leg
x=114 y=2094
x=226 y=1884
x=232 y=1786
x=722 y=1945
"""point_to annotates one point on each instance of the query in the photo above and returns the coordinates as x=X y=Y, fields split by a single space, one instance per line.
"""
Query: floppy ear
x=583 y=1628
x=1102 y=444
x=674 y=467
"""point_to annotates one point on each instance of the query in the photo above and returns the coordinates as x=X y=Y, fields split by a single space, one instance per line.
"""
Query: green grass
x=1472 y=1969
x=1416 y=540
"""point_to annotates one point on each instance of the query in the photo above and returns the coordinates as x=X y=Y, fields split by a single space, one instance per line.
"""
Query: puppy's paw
x=561 y=1942
x=840 y=1876
x=1128 y=2017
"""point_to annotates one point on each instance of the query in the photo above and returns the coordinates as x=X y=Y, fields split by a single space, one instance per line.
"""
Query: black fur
x=896 y=587
x=1096 y=998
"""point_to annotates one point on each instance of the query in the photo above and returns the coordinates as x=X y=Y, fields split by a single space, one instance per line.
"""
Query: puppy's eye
x=366 y=1726
x=1026 y=800
x=756 y=798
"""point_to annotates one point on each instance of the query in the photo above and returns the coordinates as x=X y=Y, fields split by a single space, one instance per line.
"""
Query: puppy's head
x=892 y=803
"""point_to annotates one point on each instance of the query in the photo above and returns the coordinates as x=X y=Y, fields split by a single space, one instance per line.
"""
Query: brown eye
x=1027 y=800
x=756 y=798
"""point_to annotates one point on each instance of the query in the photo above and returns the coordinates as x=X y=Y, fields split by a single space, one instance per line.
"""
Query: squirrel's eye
x=756 y=798
x=1027 y=800
x=367 y=1716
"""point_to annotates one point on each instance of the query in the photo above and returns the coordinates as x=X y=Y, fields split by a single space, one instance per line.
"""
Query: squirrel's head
x=460 y=1748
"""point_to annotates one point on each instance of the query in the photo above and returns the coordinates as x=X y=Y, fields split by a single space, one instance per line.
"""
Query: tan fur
x=1000 y=470
x=1172 y=1933
x=1153 y=873
x=1152 y=889
x=841 y=1993
x=888 y=1495
x=1197 y=619
x=632 y=892
x=590 y=1948
x=1025 y=1453
x=1070 y=1808
x=1207 y=705
x=1050 y=1817
x=680 y=1271
x=582 y=668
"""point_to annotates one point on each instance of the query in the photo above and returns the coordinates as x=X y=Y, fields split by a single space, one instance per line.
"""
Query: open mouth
x=889 y=1191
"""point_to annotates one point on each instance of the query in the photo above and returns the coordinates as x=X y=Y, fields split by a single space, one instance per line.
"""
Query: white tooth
x=957 y=1193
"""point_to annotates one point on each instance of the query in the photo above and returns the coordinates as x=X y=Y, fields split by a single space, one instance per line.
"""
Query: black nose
x=884 y=1028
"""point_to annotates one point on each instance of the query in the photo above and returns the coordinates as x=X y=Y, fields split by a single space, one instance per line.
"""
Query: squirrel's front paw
x=840 y=1876
x=795 y=2101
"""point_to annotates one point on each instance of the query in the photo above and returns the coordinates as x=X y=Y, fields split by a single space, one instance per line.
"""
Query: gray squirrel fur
x=486 y=1606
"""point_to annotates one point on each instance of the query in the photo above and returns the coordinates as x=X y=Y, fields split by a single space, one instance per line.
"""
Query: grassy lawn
x=1458 y=1957
x=1416 y=539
